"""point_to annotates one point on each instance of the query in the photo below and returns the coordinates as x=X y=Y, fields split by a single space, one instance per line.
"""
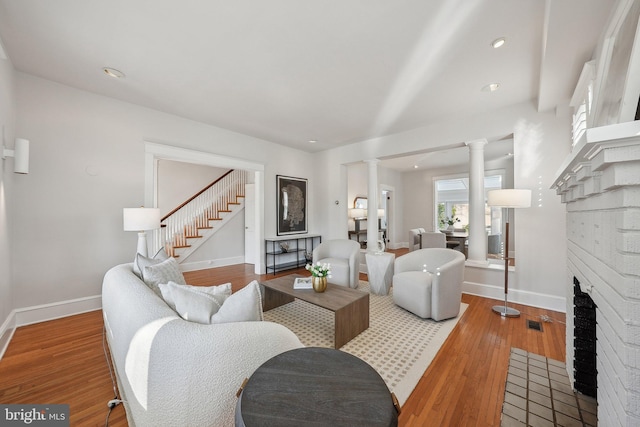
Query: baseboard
x=533 y=299
x=213 y=263
x=6 y=332
x=42 y=313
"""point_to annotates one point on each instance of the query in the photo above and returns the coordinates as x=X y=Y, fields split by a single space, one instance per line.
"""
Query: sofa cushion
x=242 y=306
x=213 y=307
x=163 y=272
x=172 y=291
x=142 y=261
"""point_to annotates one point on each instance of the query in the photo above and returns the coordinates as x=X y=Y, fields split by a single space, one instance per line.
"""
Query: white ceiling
x=290 y=71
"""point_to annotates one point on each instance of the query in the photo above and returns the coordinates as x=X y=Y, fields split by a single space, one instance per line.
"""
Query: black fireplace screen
x=584 y=342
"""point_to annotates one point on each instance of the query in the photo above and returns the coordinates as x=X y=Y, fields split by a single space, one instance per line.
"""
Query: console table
x=297 y=253
x=316 y=386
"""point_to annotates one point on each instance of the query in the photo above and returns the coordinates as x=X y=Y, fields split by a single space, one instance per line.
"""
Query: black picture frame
x=292 y=205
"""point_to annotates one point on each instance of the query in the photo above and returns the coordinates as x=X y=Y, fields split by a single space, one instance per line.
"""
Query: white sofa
x=172 y=372
x=428 y=282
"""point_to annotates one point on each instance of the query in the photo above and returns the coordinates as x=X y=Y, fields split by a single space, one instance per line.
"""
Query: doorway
x=155 y=152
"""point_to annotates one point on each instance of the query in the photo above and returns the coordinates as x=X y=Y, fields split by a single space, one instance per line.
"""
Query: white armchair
x=435 y=293
x=343 y=255
x=414 y=238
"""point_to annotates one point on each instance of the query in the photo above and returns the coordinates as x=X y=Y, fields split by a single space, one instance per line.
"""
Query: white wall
x=7 y=178
x=87 y=163
x=177 y=181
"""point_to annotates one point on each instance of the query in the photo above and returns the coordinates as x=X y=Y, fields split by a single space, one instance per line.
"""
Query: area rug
x=398 y=344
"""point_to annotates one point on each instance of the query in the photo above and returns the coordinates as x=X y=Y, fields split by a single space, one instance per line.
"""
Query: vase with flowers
x=319 y=274
x=450 y=222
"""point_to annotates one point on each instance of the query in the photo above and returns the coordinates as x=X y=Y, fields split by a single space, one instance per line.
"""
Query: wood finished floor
x=63 y=361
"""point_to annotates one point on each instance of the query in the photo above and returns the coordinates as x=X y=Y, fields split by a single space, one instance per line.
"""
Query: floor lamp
x=141 y=220
x=508 y=198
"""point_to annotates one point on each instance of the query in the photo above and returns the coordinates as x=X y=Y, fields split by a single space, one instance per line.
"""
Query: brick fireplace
x=600 y=185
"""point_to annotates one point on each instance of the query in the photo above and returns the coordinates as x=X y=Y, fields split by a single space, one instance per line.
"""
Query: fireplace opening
x=584 y=342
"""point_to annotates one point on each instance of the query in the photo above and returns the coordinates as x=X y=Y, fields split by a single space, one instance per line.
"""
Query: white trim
x=202 y=265
x=6 y=332
x=532 y=299
x=42 y=313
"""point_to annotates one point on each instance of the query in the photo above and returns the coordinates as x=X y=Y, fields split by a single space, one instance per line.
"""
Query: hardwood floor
x=63 y=361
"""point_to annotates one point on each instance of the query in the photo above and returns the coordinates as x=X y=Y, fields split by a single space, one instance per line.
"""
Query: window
x=452 y=202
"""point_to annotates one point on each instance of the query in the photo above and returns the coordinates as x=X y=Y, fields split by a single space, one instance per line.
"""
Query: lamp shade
x=140 y=219
x=509 y=198
x=357 y=213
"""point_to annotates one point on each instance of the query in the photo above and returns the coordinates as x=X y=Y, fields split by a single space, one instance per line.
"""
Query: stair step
x=204 y=228
x=233 y=203
x=224 y=211
x=215 y=219
x=193 y=237
x=181 y=247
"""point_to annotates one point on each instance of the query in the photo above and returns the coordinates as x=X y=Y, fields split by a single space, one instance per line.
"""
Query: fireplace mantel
x=602 y=146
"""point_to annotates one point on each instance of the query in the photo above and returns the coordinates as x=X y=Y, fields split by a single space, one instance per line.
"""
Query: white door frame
x=154 y=152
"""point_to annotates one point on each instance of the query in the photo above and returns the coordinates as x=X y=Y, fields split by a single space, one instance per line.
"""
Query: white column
x=372 y=205
x=477 y=251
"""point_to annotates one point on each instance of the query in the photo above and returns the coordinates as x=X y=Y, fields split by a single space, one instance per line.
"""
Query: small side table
x=316 y=386
x=380 y=271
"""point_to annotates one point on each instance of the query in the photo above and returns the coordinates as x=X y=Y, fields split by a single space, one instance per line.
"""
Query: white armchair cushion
x=412 y=291
x=339 y=270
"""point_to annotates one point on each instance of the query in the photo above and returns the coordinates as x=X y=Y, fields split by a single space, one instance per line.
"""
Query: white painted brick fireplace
x=600 y=184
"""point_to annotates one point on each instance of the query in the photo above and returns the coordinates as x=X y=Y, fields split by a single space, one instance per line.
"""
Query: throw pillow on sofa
x=164 y=272
x=141 y=261
x=172 y=292
x=242 y=306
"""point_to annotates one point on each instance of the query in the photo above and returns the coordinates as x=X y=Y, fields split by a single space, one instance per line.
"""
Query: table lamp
x=508 y=198
x=141 y=220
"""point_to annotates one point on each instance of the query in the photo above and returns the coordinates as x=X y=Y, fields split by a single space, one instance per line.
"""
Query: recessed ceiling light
x=415 y=166
x=312 y=141
x=498 y=42
x=112 y=72
x=491 y=87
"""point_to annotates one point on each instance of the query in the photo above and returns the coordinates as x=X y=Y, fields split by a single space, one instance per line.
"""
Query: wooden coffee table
x=350 y=307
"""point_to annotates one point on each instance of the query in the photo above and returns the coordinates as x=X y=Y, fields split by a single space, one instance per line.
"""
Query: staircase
x=192 y=223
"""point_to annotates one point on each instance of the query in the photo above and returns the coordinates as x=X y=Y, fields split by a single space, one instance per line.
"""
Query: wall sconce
x=141 y=220
x=20 y=155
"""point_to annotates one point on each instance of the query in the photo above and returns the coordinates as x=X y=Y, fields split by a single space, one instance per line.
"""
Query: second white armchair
x=343 y=256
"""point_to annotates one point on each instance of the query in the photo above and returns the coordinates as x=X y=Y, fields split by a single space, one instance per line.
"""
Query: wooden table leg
x=351 y=321
x=273 y=298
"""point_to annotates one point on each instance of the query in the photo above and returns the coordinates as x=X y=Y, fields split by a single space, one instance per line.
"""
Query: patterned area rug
x=398 y=344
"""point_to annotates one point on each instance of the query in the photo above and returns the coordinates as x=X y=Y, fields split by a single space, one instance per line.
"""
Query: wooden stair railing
x=196 y=213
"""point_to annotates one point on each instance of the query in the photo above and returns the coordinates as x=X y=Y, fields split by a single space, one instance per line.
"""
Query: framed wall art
x=292 y=205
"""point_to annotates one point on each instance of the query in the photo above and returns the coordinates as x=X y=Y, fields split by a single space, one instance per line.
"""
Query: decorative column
x=477 y=251
x=372 y=205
